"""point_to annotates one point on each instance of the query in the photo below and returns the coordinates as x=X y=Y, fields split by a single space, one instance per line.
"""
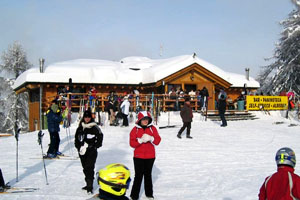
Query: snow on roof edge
x=120 y=72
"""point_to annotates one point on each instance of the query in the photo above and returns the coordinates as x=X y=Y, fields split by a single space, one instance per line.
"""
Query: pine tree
x=284 y=72
x=13 y=107
x=14 y=60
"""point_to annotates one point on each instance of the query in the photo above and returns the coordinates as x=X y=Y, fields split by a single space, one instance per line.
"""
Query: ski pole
x=40 y=138
x=17 y=131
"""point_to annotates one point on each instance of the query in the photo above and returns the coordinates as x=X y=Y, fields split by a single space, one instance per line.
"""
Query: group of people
x=186 y=114
x=118 y=108
x=143 y=138
x=115 y=179
x=179 y=94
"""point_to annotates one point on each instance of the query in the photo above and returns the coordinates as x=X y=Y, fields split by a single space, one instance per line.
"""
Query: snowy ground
x=217 y=164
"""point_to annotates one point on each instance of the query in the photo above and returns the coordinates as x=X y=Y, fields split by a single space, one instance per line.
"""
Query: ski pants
x=142 y=168
x=125 y=119
x=88 y=161
x=2 y=183
x=186 y=125
x=222 y=116
x=111 y=116
x=54 y=143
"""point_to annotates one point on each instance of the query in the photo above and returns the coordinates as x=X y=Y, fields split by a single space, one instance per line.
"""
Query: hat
x=54 y=101
x=87 y=113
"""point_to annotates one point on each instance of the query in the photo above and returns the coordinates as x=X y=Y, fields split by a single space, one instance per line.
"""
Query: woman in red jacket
x=143 y=137
x=284 y=184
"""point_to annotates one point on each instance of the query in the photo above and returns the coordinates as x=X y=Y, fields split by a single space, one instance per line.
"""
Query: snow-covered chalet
x=147 y=75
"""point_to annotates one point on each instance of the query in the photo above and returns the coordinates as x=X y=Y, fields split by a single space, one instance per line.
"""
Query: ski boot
x=49 y=156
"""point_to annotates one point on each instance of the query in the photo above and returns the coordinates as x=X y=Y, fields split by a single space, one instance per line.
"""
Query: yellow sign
x=267 y=102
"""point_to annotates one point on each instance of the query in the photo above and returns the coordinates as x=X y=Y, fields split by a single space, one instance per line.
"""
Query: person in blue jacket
x=53 y=119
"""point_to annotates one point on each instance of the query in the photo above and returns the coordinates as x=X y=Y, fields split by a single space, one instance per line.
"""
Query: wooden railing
x=163 y=101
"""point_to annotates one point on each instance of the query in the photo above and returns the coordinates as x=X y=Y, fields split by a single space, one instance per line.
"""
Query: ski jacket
x=282 y=185
x=204 y=92
x=290 y=95
x=88 y=133
x=144 y=150
x=186 y=113
x=222 y=106
x=222 y=92
x=125 y=107
x=53 y=120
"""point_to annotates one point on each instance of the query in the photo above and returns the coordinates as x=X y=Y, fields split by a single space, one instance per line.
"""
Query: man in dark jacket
x=186 y=114
x=53 y=119
x=222 y=109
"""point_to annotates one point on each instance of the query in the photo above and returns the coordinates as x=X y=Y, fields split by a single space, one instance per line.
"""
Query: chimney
x=247 y=73
x=42 y=61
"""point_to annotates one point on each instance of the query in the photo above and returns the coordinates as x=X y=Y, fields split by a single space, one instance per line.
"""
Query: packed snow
x=219 y=163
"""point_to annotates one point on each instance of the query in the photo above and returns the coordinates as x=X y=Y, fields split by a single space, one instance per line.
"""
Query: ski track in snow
x=217 y=164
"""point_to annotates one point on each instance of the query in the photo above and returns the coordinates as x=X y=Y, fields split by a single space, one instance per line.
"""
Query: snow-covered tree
x=14 y=60
x=11 y=110
x=284 y=72
x=13 y=107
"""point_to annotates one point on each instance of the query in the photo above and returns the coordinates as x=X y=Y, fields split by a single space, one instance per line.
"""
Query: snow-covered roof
x=129 y=70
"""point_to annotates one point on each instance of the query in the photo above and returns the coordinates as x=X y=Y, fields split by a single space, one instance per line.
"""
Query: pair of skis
x=13 y=190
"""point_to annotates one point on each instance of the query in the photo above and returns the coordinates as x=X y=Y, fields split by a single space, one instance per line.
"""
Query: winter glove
x=140 y=140
x=83 y=149
x=147 y=138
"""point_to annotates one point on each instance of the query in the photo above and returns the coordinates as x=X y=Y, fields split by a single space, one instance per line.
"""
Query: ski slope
x=217 y=164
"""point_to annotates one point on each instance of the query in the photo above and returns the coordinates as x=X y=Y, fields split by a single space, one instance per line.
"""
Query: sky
x=231 y=34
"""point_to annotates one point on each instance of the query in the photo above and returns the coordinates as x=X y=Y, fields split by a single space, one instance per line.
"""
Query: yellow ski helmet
x=114 y=179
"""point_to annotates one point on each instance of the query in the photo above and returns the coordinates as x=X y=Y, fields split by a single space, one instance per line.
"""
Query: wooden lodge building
x=187 y=72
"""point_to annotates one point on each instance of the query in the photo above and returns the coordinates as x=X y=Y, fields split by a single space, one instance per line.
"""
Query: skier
x=186 y=114
x=92 y=96
x=143 y=137
x=222 y=107
x=291 y=96
x=3 y=186
x=283 y=184
x=113 y=180
x=125 y=111
x=88 y=138
x=53 y=119
x=111 y=113
x=204 y=97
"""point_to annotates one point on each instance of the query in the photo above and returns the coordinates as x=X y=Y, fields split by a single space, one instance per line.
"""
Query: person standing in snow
x=222 y=107
x=291 y=96
x=125 y=111
x=88 y=138
x=143 y=137
x=204 y=98
x=53 y=119
x=186 y=115
x=283 y=184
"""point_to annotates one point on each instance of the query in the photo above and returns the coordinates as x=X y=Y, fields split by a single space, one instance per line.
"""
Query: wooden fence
x=162 y=101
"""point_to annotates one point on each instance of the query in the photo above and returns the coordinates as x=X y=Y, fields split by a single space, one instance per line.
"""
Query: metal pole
x=42 y=61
